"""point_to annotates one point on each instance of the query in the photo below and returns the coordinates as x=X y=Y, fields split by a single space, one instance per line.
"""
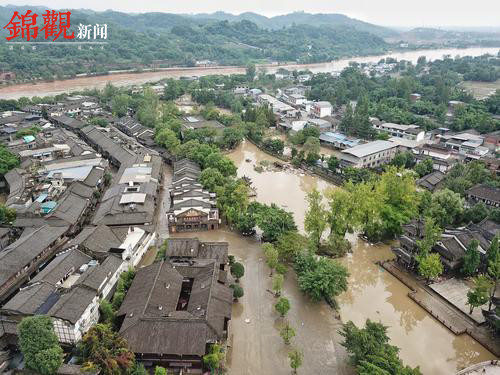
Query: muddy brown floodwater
x=373 y=293
x=255 y=345
x=128 y=79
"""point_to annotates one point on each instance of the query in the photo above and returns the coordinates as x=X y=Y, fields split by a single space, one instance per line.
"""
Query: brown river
x=128 y=78
x=255 y=345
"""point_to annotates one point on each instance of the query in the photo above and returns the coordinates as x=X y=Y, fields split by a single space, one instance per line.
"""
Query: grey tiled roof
x=20 y=253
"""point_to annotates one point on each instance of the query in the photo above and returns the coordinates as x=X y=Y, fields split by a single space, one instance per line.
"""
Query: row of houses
x=192 y=208
x=67 y=259
x=70 y=286
x=452 y=245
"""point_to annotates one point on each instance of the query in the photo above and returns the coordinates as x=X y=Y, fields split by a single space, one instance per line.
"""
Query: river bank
x=128 y=79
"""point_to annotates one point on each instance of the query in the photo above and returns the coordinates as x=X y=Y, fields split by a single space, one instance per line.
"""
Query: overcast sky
x=407 y=13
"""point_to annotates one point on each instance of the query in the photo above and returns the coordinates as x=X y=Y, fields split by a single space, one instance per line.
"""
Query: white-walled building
x=322 y=109
x=369 y=155
x=410 y=132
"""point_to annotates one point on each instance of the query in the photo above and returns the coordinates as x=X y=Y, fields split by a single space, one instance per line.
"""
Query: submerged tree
x=316 y=218
x=287 y=333
x=479 y=295
x=370 y=351
x=282 y=306
x=295 y=357
x=277 y=286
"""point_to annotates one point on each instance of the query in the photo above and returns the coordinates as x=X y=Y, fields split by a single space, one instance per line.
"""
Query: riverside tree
x=316 y=218
x=237 y=291
x=282 y=306
x=429 y=266
x=493 y=257
x=370 y=351
x=287 y=333
x=295 y=357
x=321 y=279
x=271 y=255
x=277 y=284
x=237 y=270
x=479 y=295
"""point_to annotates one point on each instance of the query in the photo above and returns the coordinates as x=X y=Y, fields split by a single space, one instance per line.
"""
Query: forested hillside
x=302 y=18
x=138 y=41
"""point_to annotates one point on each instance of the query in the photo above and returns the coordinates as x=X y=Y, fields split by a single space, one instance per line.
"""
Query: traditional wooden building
x=176 y=309
x=192 y=207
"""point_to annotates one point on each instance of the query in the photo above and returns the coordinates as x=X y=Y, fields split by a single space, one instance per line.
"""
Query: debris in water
x=247 y=321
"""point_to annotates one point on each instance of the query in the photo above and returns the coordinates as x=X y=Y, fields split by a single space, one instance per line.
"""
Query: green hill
x=302 y=18
x=162 y=39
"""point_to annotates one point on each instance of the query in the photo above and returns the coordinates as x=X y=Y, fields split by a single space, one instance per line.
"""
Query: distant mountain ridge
x=300 y=18
x=137 y=41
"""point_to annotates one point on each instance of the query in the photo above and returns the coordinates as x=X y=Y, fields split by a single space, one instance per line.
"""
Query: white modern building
x=369 y=155
x=410 y=132
x=322 y=109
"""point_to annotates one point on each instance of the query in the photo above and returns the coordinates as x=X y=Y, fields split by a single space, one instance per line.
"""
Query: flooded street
x=129 y=78
x=373 y=293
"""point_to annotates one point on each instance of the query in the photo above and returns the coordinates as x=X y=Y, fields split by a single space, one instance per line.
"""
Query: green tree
x=476 y=213
x=39 y=344
x=333 y=163
x=274 y=145
x=295 y=357
x=168 y=139
x=471 y=259
x=429 y=266
x=106 y=311
x=272 y=220
x=312 y=146
x=369 y=350
x=432 y=233
x=160 y=370
x=479 y=295
x=231 y=137
x=237 y=270
x=172 y=90
x=8 y=160
x=287 y=333
x=493 y=258
x=250 y=72
x=347 y=124
x=282 y=306
x=289 y=245
x=245 y=223
x=214 y=360
x=446 y=207
x=105 y=350
x=324 y=279
x=237 y=291
x=211 y=178
x=424 y=167
x=316 y=218
x=120 y=104
x=277 y=284
x=7 y=215
x=271 y=255
x=49 y=360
